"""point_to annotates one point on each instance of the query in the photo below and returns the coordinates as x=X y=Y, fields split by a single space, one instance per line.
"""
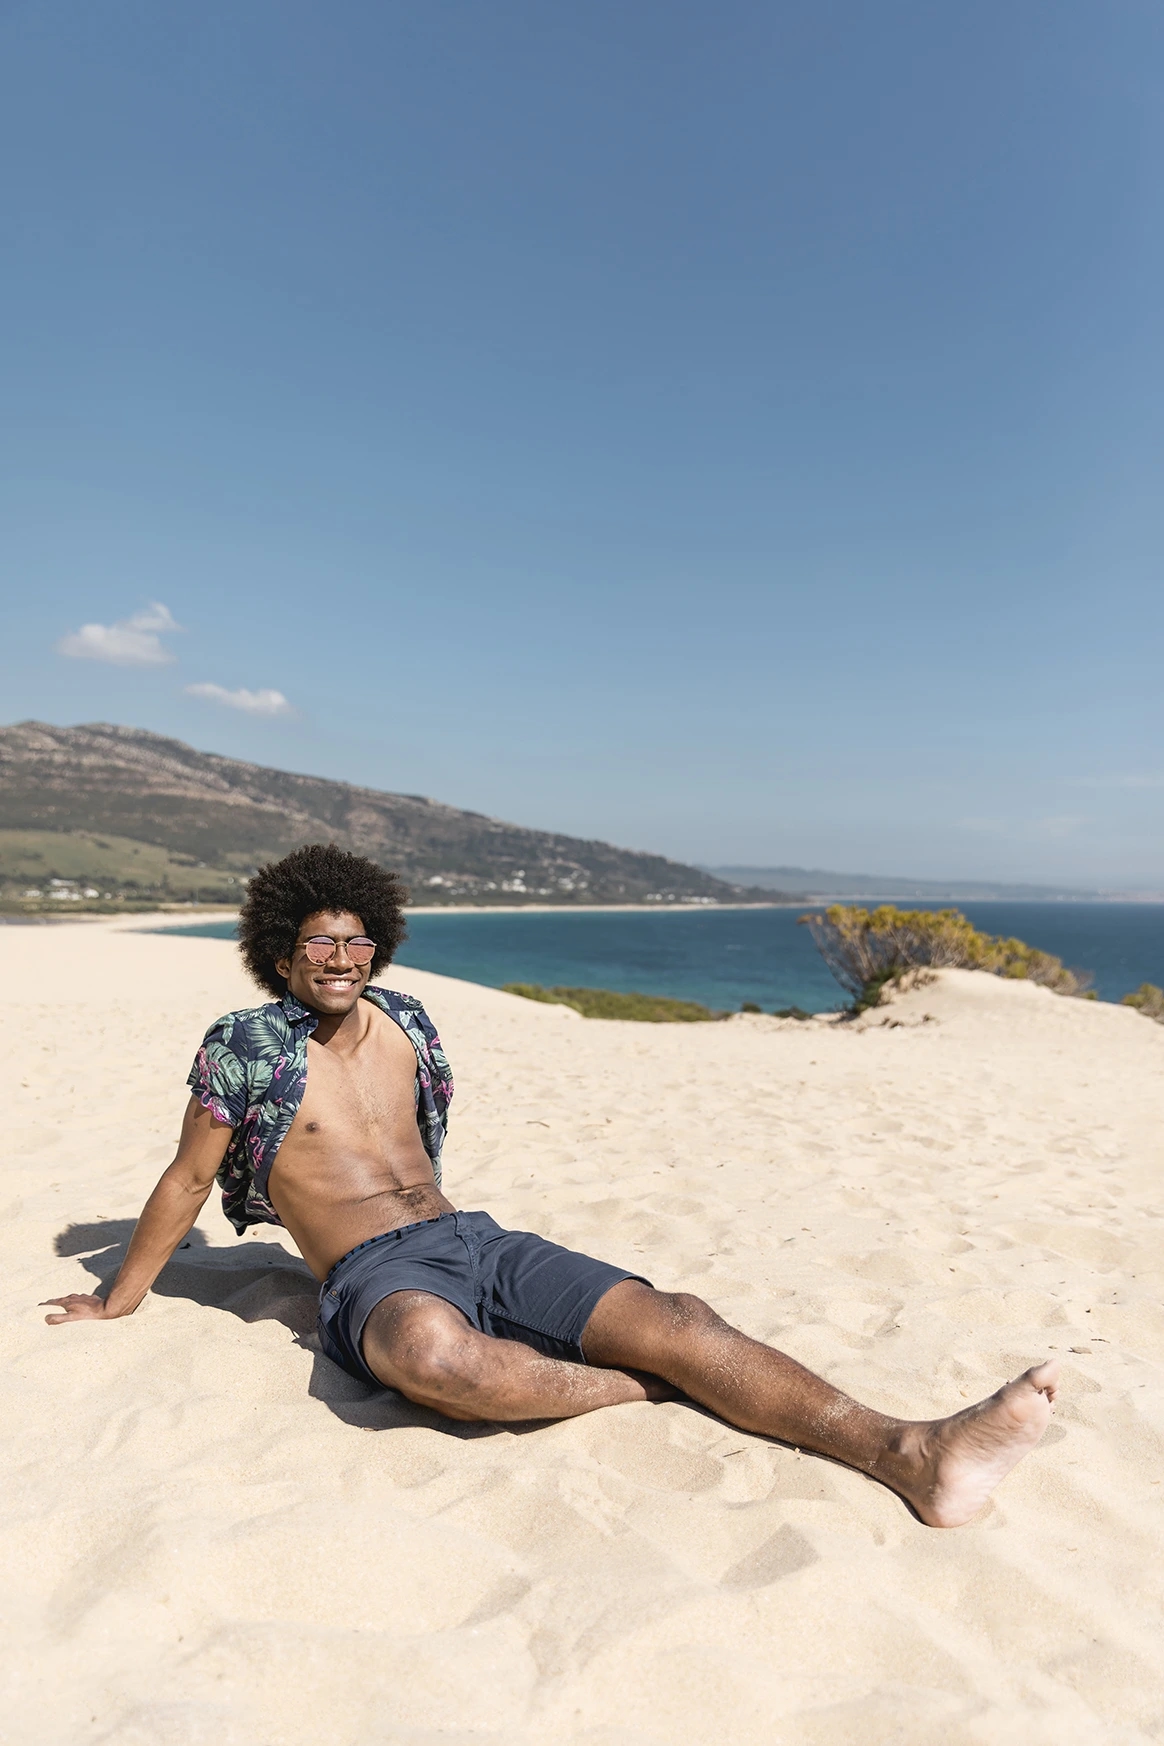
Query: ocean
x=723 y=957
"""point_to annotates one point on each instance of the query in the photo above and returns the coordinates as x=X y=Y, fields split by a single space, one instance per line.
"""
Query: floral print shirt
x=251 y=1072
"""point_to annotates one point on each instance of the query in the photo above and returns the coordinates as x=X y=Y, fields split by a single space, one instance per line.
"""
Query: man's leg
x=945 y=1468
x=427 y=1349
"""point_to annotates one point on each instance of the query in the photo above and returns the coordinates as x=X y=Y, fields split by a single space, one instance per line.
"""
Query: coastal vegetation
x=605 y=1003
x=654 y=1009
x=1147 y=999
x=868 y=950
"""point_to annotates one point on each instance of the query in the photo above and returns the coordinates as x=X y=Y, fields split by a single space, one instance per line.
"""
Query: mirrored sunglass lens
x=320 y=948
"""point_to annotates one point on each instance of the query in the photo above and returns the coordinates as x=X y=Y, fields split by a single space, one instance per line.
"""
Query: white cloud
x=131 y=642
x=253 y=702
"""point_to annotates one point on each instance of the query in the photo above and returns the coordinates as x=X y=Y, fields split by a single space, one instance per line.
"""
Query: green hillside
x=58 y=870
x=142 y=817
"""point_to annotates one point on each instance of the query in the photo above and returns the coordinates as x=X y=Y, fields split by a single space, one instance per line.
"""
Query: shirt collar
x=296 y=1013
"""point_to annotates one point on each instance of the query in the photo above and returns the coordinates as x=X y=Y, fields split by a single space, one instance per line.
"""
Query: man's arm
x=166 y=1218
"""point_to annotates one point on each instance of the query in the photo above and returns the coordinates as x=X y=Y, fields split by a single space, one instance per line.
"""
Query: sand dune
x=210 y=1534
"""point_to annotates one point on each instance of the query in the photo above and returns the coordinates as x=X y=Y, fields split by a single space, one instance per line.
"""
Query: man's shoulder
x=251 y=1028
x=408 y=1012
x=400 y=1006
x=436 y=1079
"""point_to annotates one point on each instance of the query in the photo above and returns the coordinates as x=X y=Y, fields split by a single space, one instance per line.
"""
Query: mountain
x=818 y=883
x=138 y=814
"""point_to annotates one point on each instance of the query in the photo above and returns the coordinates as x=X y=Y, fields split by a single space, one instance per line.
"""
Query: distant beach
x=723 y=956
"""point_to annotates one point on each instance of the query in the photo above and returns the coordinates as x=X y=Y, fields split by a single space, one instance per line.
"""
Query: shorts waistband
x=384 y=1237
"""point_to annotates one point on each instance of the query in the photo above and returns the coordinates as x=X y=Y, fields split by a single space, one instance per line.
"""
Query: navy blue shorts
x=508 y=1283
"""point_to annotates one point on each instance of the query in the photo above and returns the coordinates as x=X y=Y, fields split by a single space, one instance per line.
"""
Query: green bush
x=1147 y=999
x=867 y=949
x=652 y=1009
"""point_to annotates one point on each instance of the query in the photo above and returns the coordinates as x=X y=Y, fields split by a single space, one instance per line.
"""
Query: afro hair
x=320 y=877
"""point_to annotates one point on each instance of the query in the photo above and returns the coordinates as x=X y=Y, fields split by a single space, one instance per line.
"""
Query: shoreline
x=211 y=914
x=590 y=908
x=177 y=914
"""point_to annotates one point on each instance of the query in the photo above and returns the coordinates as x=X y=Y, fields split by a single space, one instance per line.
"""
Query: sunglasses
x=321 y=949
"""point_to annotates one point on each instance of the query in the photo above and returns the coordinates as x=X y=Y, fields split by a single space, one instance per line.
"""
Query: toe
x=1044 y=1378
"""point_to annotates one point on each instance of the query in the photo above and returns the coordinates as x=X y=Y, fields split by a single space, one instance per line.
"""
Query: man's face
x=332 y=988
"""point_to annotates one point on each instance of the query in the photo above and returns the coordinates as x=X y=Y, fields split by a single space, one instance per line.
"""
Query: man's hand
x=78 y=1308
x=166 y=1218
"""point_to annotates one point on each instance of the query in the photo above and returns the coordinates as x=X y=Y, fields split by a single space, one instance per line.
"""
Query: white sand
x=211 y=1535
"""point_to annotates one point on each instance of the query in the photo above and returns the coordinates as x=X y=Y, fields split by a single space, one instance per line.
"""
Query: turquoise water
x=723 y=957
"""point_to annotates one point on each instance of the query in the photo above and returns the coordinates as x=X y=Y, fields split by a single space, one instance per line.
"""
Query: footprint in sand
x=786 y=1552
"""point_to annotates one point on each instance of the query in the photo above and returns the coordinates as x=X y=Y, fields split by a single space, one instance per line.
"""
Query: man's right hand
x=78 y=1308
x=166 y=1218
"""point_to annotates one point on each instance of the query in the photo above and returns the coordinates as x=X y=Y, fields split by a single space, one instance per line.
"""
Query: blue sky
x=729 y=430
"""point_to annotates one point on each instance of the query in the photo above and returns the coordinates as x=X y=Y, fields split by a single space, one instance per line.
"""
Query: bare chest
x=367 y=1094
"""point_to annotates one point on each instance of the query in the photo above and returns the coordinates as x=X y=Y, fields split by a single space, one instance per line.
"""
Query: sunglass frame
x=360 y=949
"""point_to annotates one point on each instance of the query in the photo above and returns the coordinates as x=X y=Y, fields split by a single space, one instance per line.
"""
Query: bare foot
x=957 y=1462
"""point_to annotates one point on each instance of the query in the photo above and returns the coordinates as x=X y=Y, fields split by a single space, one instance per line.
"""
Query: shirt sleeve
x=441 y=1074
x=218 y=1076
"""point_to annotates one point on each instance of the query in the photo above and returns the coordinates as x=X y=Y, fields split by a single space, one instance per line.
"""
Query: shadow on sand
x=261 y=1282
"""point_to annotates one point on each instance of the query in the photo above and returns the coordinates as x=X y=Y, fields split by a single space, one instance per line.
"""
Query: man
x=325 y=1111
